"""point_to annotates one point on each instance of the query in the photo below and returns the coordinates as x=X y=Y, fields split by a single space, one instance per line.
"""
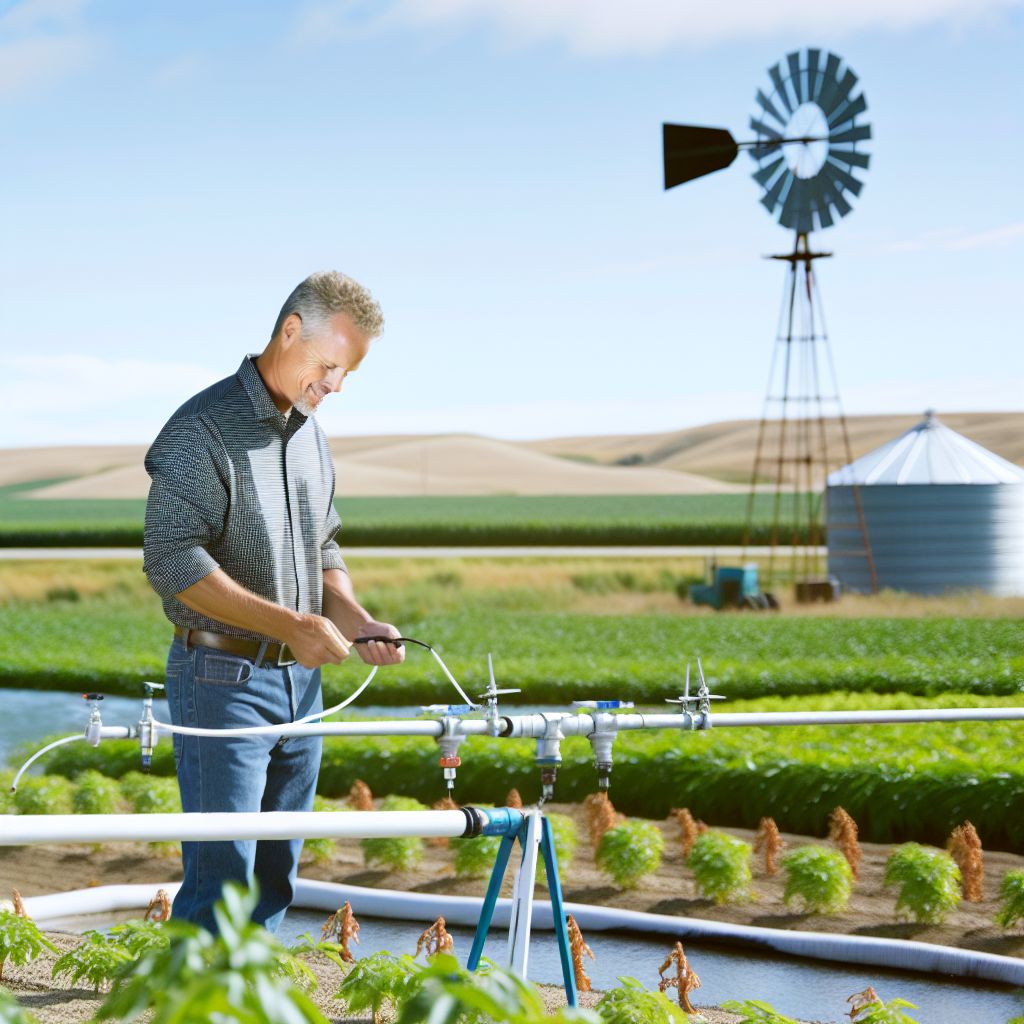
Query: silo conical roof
x=929 y=453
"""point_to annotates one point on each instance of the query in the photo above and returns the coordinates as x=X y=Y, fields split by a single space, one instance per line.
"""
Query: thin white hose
x=451 y=678
x=39 y=753
x=265 y=730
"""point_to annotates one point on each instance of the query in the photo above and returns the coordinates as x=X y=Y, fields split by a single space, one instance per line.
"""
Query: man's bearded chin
x=305 y=406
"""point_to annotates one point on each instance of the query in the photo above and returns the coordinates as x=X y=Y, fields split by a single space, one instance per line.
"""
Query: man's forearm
x=341 y=605
x=219 y=597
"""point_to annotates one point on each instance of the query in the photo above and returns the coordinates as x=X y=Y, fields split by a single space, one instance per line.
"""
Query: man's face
x=318 y=364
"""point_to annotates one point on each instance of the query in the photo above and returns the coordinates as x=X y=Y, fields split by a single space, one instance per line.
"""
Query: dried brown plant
x=342 y=927
x=691 y=827
x=435 y=939
x=159 y=909
x=578 y=947
x=600 y=816
x=964 y=846
x=514 y=799
x=842 y=830
x=444 y=804
x=359 y=796
x=684 y=980
x=19 y=906
x=860 y=1001
x=768 y=841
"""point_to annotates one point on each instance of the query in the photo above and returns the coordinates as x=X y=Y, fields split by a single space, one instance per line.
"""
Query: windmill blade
x=850 y=157
x=789 y=214
x=828 y=81
x=766 y=173
x=856 y=106
x=691 y=151
x=769 y=108
x=839 y=93
x=794 y=76
x=838 y=175
x=813 y=85
x=858 y=133
x=772 y=197
x=780 y=87
x=835 y=198
x=824 y=213
x=763 y=129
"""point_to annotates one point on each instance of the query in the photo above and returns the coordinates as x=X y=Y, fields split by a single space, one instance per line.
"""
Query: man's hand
x=379 y=652
x=316 y=641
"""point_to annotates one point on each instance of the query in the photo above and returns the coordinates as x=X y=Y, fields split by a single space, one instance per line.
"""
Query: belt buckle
x=284 y=657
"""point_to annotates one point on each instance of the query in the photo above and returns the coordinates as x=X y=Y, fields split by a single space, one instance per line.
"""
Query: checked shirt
x=238 y=486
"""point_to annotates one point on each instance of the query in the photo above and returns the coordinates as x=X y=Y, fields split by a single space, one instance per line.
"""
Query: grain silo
x=942 y=513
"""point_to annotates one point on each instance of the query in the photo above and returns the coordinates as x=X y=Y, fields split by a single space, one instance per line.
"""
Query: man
x=239 y=544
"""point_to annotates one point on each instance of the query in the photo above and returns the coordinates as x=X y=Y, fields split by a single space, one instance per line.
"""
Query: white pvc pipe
x=31 y=829
x=465 y=910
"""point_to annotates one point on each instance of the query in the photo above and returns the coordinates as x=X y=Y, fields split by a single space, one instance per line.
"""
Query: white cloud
x=77 y=399
x=42 y=41
x=958 y=239
x=601 y=27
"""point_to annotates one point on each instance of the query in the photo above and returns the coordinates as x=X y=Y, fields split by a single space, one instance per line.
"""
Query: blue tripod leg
x=490 y=901
x=547 y=846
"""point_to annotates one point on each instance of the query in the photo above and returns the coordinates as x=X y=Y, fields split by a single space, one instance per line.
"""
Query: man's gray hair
x=326 y=293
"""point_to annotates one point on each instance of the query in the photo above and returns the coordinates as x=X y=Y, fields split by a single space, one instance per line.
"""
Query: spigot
x=147 y=727
x=93 y=728
x=449 y=741
x=549 y=755
x=601 y=740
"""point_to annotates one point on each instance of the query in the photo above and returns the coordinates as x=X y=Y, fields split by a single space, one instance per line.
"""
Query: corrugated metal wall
x=930 y=538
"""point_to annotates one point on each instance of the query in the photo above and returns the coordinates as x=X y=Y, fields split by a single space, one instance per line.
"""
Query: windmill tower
x=809 y=135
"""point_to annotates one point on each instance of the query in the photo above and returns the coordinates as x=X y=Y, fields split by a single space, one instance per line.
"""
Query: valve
x=95 y=724
x=603 y=736
x=491 y=695
x=147 y=727
x=449 y=741
x=549 y=755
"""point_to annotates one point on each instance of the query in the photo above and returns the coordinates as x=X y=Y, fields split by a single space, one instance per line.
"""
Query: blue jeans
x=214 y=689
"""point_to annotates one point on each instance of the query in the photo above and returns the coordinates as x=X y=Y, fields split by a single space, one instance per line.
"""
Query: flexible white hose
x=465 y=910
x=451 y=678
x=33 y=829
x=39 y=753
x=266 y=730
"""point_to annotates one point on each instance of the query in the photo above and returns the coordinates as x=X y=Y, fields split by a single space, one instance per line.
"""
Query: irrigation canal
x=808 y=990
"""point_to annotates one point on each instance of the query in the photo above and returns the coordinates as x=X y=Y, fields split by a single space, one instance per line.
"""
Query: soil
x=670 y=890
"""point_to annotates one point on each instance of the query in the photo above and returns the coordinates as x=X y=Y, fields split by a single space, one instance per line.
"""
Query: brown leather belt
x=273 y=653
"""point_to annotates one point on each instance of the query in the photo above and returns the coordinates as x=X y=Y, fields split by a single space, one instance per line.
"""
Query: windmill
x=809 y=135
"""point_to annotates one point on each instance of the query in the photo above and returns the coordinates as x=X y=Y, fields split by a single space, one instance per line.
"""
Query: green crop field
x=900 y=782
x=508 y=519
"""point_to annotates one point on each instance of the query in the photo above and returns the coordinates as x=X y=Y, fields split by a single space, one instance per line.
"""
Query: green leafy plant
x=235 y=975
x=1011 y=895
x=754 y=1011
x=140 y=937
x=21 y=941
x=475 y=857
x=631 y=1003
x=96 y=959
x=877 y=1012
x=629 y=851
x=375 y=981
x=6 y=796
x=928 y=880
x=446 y=993
x=43 y=794
x=96 y=793
x=817 y=878
x=151 y=794
x=320 y=849
x=11 y=1012
x=396 y=854
x=721 y=866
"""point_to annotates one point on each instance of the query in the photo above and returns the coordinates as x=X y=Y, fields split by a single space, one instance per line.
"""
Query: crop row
x=556 y=658
x=541 y=520
x=900 y=782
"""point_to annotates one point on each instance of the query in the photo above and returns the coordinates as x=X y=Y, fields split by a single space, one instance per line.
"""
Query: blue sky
x=492 y=171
